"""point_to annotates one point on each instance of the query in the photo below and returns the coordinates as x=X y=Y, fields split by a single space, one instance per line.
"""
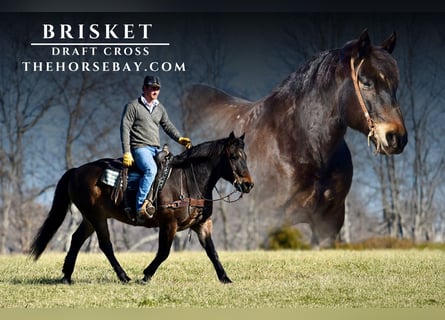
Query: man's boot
x=150 y=208
x=147 y=209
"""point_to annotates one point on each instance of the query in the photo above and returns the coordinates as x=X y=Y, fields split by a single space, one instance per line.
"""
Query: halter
x=371 y=126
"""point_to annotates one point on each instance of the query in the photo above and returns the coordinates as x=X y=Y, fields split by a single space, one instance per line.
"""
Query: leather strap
x=187 y=202
x=358 y=93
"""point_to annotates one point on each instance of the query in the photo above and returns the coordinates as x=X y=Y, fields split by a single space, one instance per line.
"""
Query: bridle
x=358 y=93
x=225 y=198
x=201 y=201
x=237 y=178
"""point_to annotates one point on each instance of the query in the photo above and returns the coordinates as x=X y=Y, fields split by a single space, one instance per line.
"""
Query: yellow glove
x=186 y=142
x=128 y=159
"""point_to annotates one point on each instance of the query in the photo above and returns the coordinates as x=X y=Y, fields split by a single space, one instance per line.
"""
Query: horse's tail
x=56 y=215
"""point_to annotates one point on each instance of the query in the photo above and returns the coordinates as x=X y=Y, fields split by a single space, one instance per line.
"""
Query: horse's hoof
x=225 y=280
x=66 y=280
x=124 y=278
x=145 y=280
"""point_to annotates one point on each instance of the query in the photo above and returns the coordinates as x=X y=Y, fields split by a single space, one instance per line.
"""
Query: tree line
x=51 y=122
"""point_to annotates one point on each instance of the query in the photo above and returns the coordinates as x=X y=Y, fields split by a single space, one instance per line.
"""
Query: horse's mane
x=200 y=152
x=317 y=72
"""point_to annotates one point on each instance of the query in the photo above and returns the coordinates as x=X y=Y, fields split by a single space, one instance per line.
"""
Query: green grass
x=282 y=279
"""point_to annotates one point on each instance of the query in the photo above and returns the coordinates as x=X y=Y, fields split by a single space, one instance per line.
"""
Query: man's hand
x=186 y=142
x=128 y=159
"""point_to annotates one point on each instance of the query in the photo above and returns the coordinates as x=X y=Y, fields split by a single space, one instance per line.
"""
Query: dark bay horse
x=298 y=155
x=184 y=202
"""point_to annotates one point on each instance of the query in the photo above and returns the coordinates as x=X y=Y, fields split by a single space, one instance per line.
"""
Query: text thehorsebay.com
x=99 y=48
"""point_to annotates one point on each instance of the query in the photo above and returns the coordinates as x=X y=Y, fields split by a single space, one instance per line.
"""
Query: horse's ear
x=357 y=48
x=390 y=43
x=363 y=44
x=242 y=136
x=231 y=135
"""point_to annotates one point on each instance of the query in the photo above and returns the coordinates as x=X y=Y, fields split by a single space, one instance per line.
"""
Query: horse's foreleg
x=105 y=245
x=166 y=235
x=326 y=229
x=204 y=232
x=82 y=233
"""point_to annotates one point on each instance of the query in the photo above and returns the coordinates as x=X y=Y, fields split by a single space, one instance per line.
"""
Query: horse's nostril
x=245 y=187
x=392 y=139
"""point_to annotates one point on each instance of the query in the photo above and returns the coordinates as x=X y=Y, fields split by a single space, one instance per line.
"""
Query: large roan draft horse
x=295 y=141
x=185 y=201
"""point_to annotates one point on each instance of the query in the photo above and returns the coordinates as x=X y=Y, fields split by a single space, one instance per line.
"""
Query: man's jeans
x=144 y=159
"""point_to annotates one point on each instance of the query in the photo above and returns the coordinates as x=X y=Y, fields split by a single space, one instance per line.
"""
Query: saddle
x=125 y=180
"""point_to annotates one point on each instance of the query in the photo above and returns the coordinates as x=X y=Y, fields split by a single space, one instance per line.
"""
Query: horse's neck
x=196 y=179
x=310 y=122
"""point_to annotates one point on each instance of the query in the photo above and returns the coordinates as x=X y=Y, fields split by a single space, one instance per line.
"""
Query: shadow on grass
x=44 y=281
x=59 y=281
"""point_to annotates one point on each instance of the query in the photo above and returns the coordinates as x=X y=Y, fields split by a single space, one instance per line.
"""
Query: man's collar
x=152 y=104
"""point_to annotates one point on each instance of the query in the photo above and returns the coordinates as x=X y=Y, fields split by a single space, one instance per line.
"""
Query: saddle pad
x=110 y=177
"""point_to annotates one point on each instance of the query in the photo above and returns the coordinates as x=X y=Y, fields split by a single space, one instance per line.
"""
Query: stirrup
x=150 y=210
x=147 y=209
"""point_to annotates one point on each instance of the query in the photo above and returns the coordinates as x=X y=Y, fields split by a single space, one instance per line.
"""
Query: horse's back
x=86 y=182
x=215 y=112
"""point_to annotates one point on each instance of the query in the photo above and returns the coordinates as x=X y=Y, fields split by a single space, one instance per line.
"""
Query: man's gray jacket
x=140 y=128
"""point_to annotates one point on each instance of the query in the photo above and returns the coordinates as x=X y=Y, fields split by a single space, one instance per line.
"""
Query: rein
x=228 y=196
x=200 y=202
x=358 y=93
x=220 y=197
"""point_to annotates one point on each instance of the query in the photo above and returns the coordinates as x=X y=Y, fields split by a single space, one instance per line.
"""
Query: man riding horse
x=140 y=138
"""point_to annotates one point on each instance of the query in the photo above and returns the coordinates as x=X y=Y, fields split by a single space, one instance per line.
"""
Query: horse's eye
x=366 y=84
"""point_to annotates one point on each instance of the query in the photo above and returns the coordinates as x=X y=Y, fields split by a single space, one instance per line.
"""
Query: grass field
x=281 y=279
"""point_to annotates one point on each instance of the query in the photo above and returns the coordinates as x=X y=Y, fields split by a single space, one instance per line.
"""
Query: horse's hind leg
x=204 y=232
x=103 y=236
x=166 y=235
x=82 y=233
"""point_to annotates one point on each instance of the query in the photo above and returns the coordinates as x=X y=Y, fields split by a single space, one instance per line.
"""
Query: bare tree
x=422 y=99
x=211 y=54
x=388 y=191
x=408 y=184
x=23 y=103
x=86 y=98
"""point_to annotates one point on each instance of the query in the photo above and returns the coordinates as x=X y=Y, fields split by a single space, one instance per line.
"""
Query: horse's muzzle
x=244 y=186
x=390 y=139
x=396 y=142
